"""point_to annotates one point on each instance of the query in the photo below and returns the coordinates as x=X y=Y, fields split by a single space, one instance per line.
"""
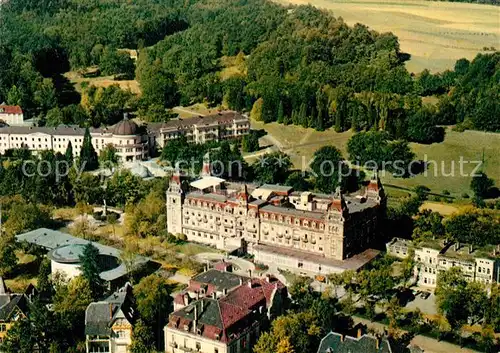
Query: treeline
x=471 y=93
x=296 y=65
x=42 y=39
x=308 y=68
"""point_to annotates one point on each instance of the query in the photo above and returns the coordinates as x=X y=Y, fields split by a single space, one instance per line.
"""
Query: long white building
x=132 y=142
x=130 y=145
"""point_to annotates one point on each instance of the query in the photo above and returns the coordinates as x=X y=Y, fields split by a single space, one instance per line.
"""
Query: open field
x=469 y=145
x=300 y=143
x=436 y=34
x=101 y=81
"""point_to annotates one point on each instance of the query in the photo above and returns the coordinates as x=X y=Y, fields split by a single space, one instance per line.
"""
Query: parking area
x=425 y=301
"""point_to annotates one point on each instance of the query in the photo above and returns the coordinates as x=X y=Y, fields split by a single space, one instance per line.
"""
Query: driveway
x=241 y=266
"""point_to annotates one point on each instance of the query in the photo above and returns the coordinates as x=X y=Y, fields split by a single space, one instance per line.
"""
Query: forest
x=296 y=65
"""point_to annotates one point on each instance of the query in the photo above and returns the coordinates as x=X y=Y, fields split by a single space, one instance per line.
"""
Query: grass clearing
x=470 y=146
x=301 y=143
x=443 y=209
x=436 y=34
x=102 y=81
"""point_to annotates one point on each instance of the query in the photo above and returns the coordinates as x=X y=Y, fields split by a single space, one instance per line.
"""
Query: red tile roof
x=230 y=316
x=10 y=109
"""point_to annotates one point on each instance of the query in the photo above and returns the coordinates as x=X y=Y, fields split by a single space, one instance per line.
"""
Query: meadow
x=301 y=143
x=436 y=34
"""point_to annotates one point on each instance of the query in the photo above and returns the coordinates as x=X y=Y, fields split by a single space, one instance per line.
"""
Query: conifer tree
x=303 y=115
x=88 y=155
x=319 y=121
x=91 y=271
x=68 y=155
x=281 y=114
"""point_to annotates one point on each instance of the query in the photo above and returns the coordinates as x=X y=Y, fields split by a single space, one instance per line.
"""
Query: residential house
x=109 y=323
x=363 y=343
x=433 y=256
x=13 y=307
x=12 y=115
x=229 y=323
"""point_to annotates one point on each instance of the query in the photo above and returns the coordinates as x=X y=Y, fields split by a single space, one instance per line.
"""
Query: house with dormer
x=13 y=307
x=229 y=319
x=109 y=323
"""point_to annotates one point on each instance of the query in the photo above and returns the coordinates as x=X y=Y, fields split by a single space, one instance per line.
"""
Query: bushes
x=99 y=215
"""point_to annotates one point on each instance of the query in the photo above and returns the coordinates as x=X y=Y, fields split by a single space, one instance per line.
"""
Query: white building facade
x=131 y=142
x=12 y=115
x=434 y=256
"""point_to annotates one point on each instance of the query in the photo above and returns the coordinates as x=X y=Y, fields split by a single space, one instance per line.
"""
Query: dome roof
x=69 y=254
x=125 y=127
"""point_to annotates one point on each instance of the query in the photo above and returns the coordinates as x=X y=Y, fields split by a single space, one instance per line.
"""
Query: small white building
x=12 y=115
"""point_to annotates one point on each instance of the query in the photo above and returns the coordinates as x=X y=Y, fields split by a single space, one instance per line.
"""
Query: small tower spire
x=206 y=170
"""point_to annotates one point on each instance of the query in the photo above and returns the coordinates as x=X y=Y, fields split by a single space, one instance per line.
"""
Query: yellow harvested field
x=102 y=81
x=444 y=209
x=436 y=34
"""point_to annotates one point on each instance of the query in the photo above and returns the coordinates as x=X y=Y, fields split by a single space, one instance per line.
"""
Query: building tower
x=175 y=198
x=335 y=226
x=375 y=191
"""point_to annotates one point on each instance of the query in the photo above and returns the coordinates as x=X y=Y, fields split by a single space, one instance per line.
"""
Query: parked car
x=425 y=295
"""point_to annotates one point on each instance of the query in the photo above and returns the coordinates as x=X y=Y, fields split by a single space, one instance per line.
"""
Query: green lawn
x=301 y=143
x=469 y=145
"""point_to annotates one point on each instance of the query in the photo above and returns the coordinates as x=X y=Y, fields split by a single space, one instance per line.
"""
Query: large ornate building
x=132 y=142
x=307 y=232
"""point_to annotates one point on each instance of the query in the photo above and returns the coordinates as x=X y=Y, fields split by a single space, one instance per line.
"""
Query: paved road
x=187 y=111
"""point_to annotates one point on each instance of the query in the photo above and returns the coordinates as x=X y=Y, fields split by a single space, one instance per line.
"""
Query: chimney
x=471 y=249
x=110 y=311
x=457 y=246
x=186 y=300
x=250 y=284
x=214 y=295
x=268 y=278
x=202 y=306
x=224 y=291
x=197 y=295
x=377 y=342
x=360 y=333
x=250 y=273
x=195 y=321
x=341 y=338
x=241 y=281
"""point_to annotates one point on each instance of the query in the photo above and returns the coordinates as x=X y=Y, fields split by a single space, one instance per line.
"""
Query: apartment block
x=433 y=256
